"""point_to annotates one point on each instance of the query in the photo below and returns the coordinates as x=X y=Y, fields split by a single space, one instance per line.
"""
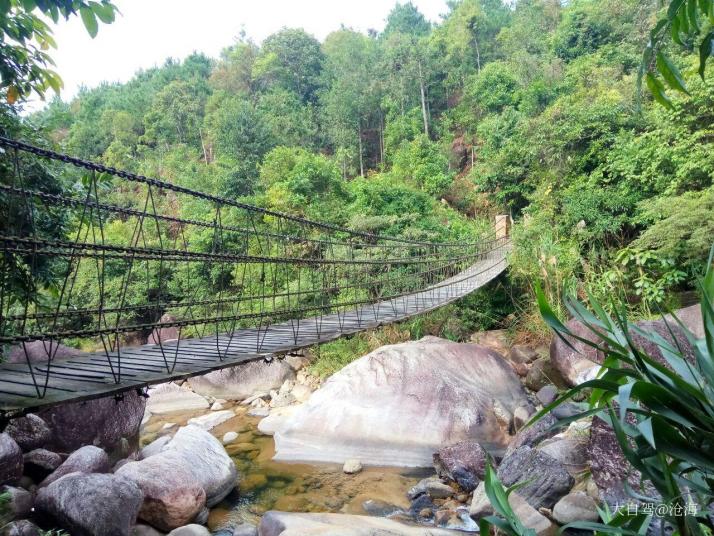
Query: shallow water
x=292 y=487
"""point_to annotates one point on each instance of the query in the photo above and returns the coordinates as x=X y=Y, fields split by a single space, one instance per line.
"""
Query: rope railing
x=101 y=258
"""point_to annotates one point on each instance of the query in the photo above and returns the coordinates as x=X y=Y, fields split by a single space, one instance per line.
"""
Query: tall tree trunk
x=424 y=113
x=361 y=158
x=381 y=138
x=478 y=57
x=203 y=146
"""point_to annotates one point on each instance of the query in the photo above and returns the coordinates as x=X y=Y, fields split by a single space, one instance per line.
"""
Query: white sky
x=149 y=31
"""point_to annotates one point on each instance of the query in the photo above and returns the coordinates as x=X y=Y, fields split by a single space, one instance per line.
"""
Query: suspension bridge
x=102 y=259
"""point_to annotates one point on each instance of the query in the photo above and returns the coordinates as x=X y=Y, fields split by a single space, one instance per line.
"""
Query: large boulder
x=92 y=504
x=171 y=398
x=581 y=362
x=244 y=380
x=463 y=462
x=11 y=461
x=23 y=527
x=165 y=334
x=88 y=459
x=547 y=480
x=401 y=403
x=172 y=496
x=276 y=523
x=691 y=317
x=30 y=432
x=20 y=501
x=40 y=352
x=206 y=459
x=577 y=361
x=39 y=463
x=527 y=515
x=102 y=422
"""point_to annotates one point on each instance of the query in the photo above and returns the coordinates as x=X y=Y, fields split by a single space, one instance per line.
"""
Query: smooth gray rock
x=206 y=459
x=691 y=317
x=528 y=516
x=11 y=460
x=548 y=480
x=463 y=462
x=102 y=422
x=88 y=459
x=92 y=504
x=145 y=530
x=156 y=446
x=542 y=373
x=245 y=529
x=401 y=403
x=29 y=432
x=276 y=523
x=169 y=398
x=172 y=496
x=242 y=381
x=520 y=353
x=571 y=452
x=547 y=394
x=575 y=506
x=380 y=508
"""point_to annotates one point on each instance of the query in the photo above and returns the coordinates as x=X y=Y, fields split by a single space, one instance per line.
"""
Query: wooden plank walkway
x=90 y=376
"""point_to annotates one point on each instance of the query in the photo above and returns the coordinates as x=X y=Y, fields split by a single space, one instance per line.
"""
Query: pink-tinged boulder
x=40 y=352
x=11 y=461
x=88 y=459
x=205 y=459
x=102 y=422
x=244 y=380
x=275 y=523
x=691 y=317
x=463 y=462
x=162 y=335
x=30 y=432
x=172 y=496
x=91 y=504
x=401 y=403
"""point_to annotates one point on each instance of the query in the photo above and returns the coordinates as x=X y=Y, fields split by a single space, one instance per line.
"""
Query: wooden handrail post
x=503 y=226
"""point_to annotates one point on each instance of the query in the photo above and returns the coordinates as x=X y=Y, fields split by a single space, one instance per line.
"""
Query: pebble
x=217 y=406
x=229 y=437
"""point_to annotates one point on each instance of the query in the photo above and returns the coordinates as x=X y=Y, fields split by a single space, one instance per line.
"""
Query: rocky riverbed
x=397 y=442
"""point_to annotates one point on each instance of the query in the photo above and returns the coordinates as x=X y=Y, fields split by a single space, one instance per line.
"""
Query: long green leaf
x=670 y=73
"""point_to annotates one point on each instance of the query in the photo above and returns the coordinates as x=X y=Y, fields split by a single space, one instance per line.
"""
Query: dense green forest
x=428 y=130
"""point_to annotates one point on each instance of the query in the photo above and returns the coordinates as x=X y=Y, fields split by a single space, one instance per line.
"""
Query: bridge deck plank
x=91 y=375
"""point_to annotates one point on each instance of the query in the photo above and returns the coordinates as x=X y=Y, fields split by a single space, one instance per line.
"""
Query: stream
x=291 y=487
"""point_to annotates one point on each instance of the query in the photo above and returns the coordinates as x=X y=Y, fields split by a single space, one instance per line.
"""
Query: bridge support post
x=503 y=226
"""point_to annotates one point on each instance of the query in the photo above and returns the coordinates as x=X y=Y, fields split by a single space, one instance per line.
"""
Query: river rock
x=165 y=334
x=241 y=381
x=20 y=501
x=172 y=496
x=170 y=398
x=39 y=352
x=41 y=462
x=301 y=392
x=102 y=422
x=11 y=461
x=576 y=506
x=691 y=317
x=154 y=447
x=529 y=516
x=542 y=373
x=190 y=530
x=277 y=419
x=608 y=466
x=401 y=403
x=571 y=452
x=352 y=466
x=206 y=459
x=497 y=340
x=463 y=462
x=229 y=437
x=29 y=432
x=276 y=523
x=532 y=435
x=522 y=354
x=548 y=480
x=92 y=504
x=145 y=530
x=23 y=527
x=547 y=395
x=210 y=420
x=88 y=459
x=578 y=362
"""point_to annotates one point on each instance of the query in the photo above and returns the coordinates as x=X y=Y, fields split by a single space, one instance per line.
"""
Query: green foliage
x=25 y=38
x=422 y=163
x=661 y=412
x=689 y=24
x=505 y=521
x=494 y=88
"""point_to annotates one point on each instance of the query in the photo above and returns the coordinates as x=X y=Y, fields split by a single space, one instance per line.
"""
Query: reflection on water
x=268 y=485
